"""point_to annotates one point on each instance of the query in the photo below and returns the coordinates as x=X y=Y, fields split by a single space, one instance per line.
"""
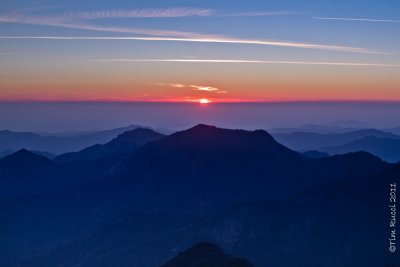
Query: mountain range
x=385 y=148
x=29 y=172
x=303 y=141
x=240 y=190
x=121 y=146
x=56 y=143
x=382 y=144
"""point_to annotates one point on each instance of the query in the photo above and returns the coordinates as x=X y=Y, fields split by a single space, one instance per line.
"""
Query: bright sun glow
x=204 y=101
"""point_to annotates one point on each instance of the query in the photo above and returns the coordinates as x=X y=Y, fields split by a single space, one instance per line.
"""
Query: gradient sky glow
x=178 y=51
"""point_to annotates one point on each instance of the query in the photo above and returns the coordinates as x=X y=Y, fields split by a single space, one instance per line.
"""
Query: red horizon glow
x=189 y=100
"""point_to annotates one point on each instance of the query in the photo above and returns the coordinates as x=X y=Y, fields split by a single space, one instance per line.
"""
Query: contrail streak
x=355 y=64
x=359 y=19
x=212 y=40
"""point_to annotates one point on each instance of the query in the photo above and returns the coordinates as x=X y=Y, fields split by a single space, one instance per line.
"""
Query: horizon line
x=213 y=102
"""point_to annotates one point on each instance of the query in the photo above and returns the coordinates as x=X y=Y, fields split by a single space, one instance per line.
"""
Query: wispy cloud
x=354 y=64
x=78 y=20
x=204 y=88
x=359 y=19
x=57 y=22
x=195 y=87
x=136 y=13
x=260 y=14
x=173 y=12
x=210 y=39
x=175 y=85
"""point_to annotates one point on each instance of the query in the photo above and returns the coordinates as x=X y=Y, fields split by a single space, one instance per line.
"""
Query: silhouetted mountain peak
x=137 y=135
x=23 y=152
x=121 y=146
x=360 y=155
x=357 y=161
x=24 y=161
x=205 y=134
x=24 y=156
x=203 y=127
x=211 y=129
x=206 y=255
x=210 y=148
x=219 y=140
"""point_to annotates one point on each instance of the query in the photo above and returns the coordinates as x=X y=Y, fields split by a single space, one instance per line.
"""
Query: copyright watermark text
x=392 y=223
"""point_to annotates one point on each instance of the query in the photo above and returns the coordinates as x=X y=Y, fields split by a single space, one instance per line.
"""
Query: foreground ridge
x=206 y=255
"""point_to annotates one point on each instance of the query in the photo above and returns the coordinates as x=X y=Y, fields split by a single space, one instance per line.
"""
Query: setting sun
x=204 y=101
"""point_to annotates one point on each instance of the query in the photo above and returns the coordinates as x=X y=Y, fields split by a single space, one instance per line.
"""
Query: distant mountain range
x=56 y=143
x=395 y=130
x=303 y=141
x=241 y=190
x=382 y=144
x=322 y=129
x=385 y=148
x=318 y=138
x=40 y=174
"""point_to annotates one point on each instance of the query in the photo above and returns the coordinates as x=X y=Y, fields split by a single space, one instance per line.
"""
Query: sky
x=185 y=51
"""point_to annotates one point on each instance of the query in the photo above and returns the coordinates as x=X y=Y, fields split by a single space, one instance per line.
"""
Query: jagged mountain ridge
x=121 y=146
